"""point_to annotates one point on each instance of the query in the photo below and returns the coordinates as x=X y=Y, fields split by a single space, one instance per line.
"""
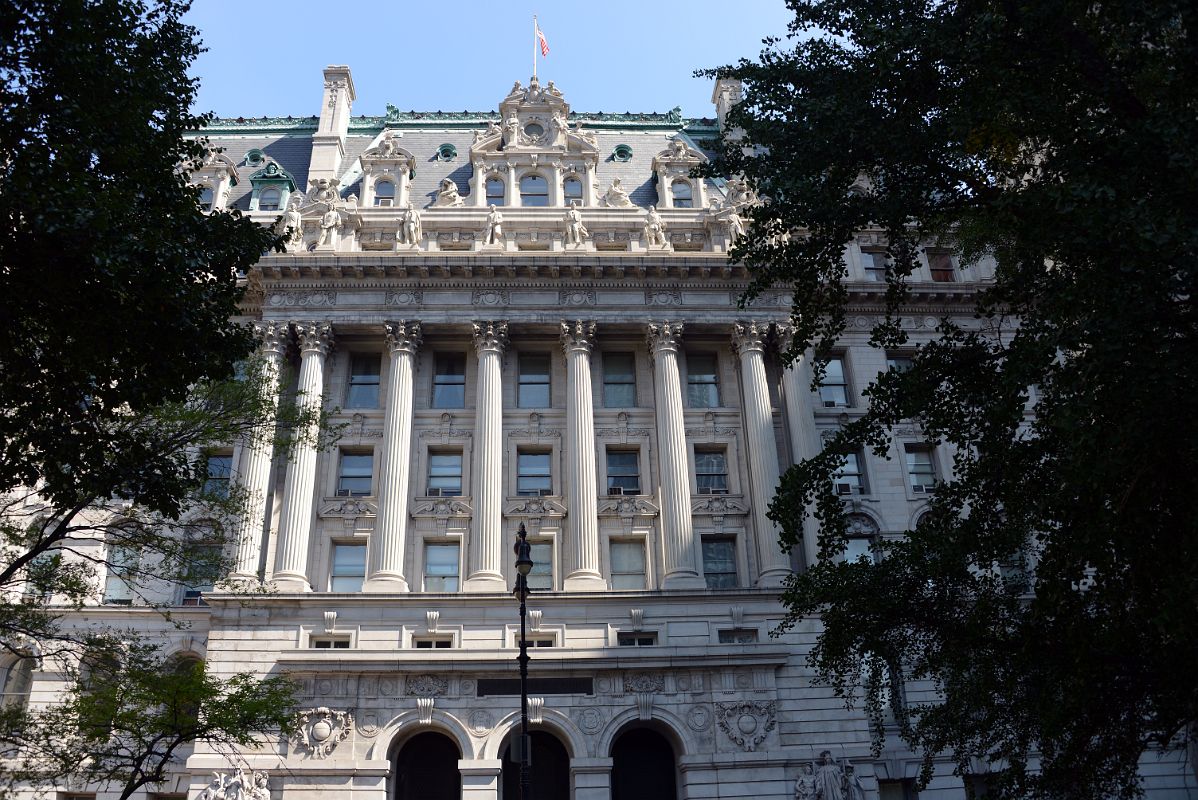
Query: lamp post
x=523 y=552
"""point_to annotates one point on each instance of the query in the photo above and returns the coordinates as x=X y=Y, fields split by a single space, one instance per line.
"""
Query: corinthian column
x=749 y=341
x=680 y=550
x=486 y=546
x=582 y=501
x=257 y=456
x=291 y=574
x=800 y=422
x=387 y=542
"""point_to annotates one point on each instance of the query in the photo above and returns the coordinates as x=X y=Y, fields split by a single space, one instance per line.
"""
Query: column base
x=485 y=583
x=585 y=582
x=383 y=583
x=244 y=582
x=290 y=583
x=773 y=578
x=683 y=580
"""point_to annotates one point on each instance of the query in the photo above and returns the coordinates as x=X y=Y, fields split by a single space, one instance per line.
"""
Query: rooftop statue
x=447 y=195
x=616 y=197
x=576 y=232
x=655 y=232
x=494 y=231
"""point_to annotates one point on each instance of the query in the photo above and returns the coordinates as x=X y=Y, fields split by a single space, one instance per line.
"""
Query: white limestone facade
x=529 y=317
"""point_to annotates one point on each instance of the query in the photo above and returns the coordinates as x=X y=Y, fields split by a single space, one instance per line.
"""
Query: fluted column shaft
x=386 y=562
x=773 y=562
x=486 y=546
x=582 y=485
x=257 y=455
x=291 y=574
x=680 y=550
x=800 y=422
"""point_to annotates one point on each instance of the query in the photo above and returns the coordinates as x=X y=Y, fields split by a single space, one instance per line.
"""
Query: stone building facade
x=528 y=317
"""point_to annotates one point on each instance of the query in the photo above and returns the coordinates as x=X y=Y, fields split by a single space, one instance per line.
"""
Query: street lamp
x=523 y=552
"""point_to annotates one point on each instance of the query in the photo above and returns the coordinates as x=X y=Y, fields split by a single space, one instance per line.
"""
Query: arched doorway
x=550 y=768
x=643 y=765
x=427 y=769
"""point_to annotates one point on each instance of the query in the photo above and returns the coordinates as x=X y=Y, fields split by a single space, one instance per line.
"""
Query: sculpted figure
x=856 y=791
x=678 y=148
x=447 y=194
x=388 y=147
x=558 y=126
x=576 y=232
x=829 y=779
x=511 y=129
x=655 y=236
x=736 y=226
x=330 y=221
x=586 y=136
x=411 y=231
x=553 y=90
x=494 y=227
x=805 y=783
x=293 y=224
x=260 y=789
x=616 y=197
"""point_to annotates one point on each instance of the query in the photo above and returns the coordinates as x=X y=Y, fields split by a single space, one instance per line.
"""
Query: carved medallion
x=427 y=685
x=746 y=723
x=480 y=722
x=699 y=718
x=319 y=730
x=590 y=720
x=405 y=297
x=644 y=682
x=368 y=724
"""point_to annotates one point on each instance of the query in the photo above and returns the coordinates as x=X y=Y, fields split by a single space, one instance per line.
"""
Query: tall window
x=533 y=391
x=356 y=476
x=541 y=576
x=206 y=195
x=384 y=194
x=534 y=191
x=444 y=474
x=702 y=380
x=122 y=569
x=449 y=380
x=268 y=200
x=683 y=194
x=349 y=568
x=494 y=188
x=533 y=477
x=833 y=390
x=16 y=682
x=711 y=471
x=848 y=478
x=202 y=572
x=941 y=265
x=623 y=472
x=364 y=371
x=572 y=191
x=627 y=565
x=619 y=380
x=220 y=467
x=857 y=547
x=719 y=562
x=874 y=262
x=920 y=468
x=440 y=567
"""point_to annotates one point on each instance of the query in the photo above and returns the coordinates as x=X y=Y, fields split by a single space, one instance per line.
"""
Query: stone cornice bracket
x=747 y=337
x=314 y=337
x=579 y=336
x=664 y=337
x=271 y=337
x=490 y=336
x=402 y=336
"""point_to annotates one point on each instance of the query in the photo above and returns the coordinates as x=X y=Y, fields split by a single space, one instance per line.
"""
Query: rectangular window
x=441 y=567
x=363 y=390
x=356 y=476
x=541 y=576
x=449 y=380
x=432 y=643
x=719 y=562
x=833 y=389
x=533 y=477
x=920 y=468
x=619 y=380
x=538 y=641
x=444 y=474
x=349 y=568
x=897 y=790
x=849 y=478
x=623 y=472
x=639 y=639
x=702 y=381
x=220 y=467
x=858 y=547
x=202 y=573
x=122 y=569
x=328 y=642
x=874 y=264
x=898 y=362
x=628 y=565
x=941 y=266
x=533 y=391
x=738 y=636
x=711 y=471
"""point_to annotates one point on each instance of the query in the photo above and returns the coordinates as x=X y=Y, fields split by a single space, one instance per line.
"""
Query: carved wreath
x=319 y=730
x=427 y=686
x=746 y=723
x=644 y=682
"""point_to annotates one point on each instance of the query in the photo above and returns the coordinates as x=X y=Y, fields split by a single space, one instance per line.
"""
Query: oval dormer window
x=534 y=130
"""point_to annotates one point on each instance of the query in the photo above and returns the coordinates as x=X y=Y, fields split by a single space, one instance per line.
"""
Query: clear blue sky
x=265 y=56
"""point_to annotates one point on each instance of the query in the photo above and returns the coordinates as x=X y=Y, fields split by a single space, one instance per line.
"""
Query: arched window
x=534 y=191
x=206 y=195
x=572 y=190
x=16 y=682
x=268 y=200
x=683 y=196
x=384 y=193
x=494 y=192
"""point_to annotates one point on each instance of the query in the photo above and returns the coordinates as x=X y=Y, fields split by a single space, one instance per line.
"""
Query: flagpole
x=534 y=45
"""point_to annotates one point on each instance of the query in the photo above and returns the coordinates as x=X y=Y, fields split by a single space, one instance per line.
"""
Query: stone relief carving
x=575 y=297
x=424 y=707
x=827 y=780
x=405 y=297
x=320 y=730
x=663 y=297
x=590 y=721
x=699 y=718
x=480 y=722
x=747 y=723
x=616 y=196
x=718 y=505
x=447 y=195
x=861 y=525
x=536 y=707
x=427 y=685
x=352 y=507
x=368 y=724
x=442 y=507
x=301 y=299
x=535 y=507
x=641 y=682
x=491 y=297
x=239 y=785
x=330 y=224
x=655 y=229
x=627 y=507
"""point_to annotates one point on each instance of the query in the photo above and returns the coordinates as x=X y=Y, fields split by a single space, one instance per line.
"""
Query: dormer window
x=384 y=194
x=572 y=190
x=534 y=191
x=268 y=200
x=622 y=152
x=206 y=197
x=682 y=194
x=447 y=152
x=494 y=191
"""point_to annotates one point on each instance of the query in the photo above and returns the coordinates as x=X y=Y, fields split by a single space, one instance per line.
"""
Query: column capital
x=490 y=336
x=749 y=337
x=665 y=336
x=579 y=336
x=271 y=337
x=314 y=337
x=402 y=336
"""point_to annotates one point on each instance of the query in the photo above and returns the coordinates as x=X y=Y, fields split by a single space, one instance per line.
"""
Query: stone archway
x=426 y=768
x=550 y=768
x=644 y=764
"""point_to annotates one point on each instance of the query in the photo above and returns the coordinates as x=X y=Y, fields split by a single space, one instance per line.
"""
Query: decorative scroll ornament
x=641 y=682
x=747 y=723
x=320 y=730
x=427 y=685
x=240 y=785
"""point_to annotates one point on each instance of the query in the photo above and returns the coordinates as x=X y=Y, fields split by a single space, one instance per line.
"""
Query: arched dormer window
x=384 y=194
x=15 y=682
x=268 y=200
x=206 y=198
x=572 y=191
x=495 y=189
x=534 y=191
x=682 y=193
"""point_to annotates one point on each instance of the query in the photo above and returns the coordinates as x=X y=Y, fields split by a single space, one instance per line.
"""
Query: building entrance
x=427 y=769
x=643 y=766
x=550 y=769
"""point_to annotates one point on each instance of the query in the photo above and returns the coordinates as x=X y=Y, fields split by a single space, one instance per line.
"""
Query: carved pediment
x=719 y=505
x=534 y=507
x=627 y=507
x=679 y=157
x=441 y=507
x=534 y=120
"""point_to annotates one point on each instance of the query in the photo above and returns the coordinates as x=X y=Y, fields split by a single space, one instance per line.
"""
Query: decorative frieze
x=426 y=685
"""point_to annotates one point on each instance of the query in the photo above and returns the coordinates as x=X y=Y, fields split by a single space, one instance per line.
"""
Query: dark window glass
x=202 y=572
x=874 y=262
x=384 y=193
x=683 y=195
x=449 y=382
x=363 y=381
x=941 y=265
x=619 y=380
x=920 y=468
x=624 y=471
x=349 y=568
x=702 y=381
x=532 y=474
x=206 y=195
x=220 y=468
x=268 y=200
x=355 y=478
x=636 y=639
x=711 y=471
x=833 y=389
x=494 y=192
x=445 y=474
x=572 y=190
x=719 y=562
x=534 y=381
x=534 y=191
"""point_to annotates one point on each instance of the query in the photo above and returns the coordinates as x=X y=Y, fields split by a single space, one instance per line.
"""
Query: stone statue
x=558 y=126
x=829 y=779
x=553 y=90
x=330 y=222
x=492 y=130
x=511 y=129
x=805 y=783
x=352 y=201
x=655 y=235
x=576 y=232
x=447 y=195
x=293 y=224
x=736 y=226
x=239 y=786
x=678 y=148
x=586 y=136
x=494 y=230
x=853 y=783
x=616 y=197
x=411 y=231
x=388 y=147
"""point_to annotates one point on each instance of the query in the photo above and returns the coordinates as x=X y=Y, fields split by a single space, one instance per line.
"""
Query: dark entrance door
x=642 y=767
x=550 y=769
x=427 y=769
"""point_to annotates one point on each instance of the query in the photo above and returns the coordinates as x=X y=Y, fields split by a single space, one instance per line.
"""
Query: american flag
x=541 y=39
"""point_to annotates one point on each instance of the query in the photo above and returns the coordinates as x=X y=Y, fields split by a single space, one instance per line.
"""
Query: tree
x=1049 y=591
